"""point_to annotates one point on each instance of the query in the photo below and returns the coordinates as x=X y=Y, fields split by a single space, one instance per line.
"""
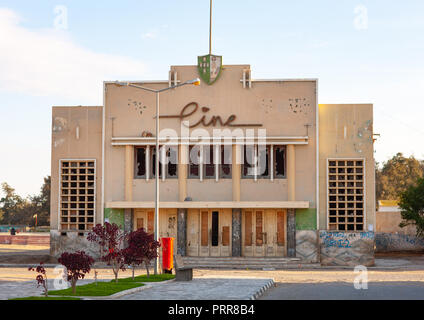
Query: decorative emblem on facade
x=209 y=67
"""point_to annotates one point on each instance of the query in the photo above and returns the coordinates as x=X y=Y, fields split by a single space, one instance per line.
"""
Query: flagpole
x=210 y=29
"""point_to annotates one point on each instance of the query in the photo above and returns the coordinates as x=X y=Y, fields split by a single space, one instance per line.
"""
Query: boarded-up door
x=150 y=221
x=281 y=233
x=260 y=236
x=204 y=233
x=258 y=233
x=193 y=228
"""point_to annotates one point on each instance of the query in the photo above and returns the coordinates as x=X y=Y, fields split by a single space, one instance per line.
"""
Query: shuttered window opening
x=77 y=194
x=346 y=203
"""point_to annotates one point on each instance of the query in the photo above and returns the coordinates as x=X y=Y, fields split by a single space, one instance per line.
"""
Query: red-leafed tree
x=41 y=277
x=111 y=239
x=77 y=265
x=142 y=247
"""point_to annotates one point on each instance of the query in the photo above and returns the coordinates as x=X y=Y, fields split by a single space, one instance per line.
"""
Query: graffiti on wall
x=392 y=242
x=347 y=248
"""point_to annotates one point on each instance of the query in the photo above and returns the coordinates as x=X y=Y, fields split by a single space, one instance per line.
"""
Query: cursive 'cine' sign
x=193 y=107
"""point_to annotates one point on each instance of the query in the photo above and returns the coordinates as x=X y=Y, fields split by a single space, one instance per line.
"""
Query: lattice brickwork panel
x=77 y=194
x=346 y=195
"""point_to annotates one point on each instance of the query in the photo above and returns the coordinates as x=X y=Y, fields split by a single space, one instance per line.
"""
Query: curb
x=262 y=290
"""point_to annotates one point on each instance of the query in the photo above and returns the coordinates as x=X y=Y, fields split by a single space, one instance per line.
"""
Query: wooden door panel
x=248 y=228
x=280 y=228
x=140 y=223
x=204 y=230
x=225 y=236
x=150 y=221
x=259 y=228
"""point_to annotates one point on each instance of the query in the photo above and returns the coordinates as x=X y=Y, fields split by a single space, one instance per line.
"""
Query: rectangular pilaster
x=128 y=220
x=291 y=233
x=236 y=235
x=182 y=171
x=236 y=171
x=182 y=232
x=291 y=175
x=129 y=172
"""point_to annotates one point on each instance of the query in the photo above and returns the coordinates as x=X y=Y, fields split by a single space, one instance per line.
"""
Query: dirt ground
x=22 y=254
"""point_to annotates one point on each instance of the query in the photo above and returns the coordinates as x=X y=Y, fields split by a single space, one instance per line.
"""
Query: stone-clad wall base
x=71 y=242
x=346 y=248
x=392 y=242
x=307 y=246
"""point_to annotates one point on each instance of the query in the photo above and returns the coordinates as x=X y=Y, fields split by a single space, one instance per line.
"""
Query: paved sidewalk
x=202 y=289
x=19 y=289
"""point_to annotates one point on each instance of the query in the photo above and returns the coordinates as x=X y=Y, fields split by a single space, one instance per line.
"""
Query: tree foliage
x=77 y=265
x=111 y=241
x=396 y=175
x=412 y=206
x=41 y=277
x=142 y=247
x=15 y=209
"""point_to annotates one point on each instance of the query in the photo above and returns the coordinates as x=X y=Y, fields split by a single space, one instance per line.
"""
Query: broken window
x=153 y=163
x=226 y=162
x=140 y=162
x=248 y=166
x=208 y=162
x=256 y=161
x=194 y=160
x=263 y=161
x=171 y=162
x=77 y=201
x=279 y=161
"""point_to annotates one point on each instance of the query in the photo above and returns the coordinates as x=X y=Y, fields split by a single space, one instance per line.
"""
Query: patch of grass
x=99 y=290
x=144 y=278
x=46 y=298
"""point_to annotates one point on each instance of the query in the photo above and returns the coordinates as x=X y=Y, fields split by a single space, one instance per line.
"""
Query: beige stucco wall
x=346 y=131
x=65 y=145
x=388 y=221
x=130 y=111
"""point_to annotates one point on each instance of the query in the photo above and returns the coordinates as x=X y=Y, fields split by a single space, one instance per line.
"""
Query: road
x=390 y=290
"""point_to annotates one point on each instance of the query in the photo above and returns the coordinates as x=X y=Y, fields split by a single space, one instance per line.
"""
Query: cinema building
x=275 y=177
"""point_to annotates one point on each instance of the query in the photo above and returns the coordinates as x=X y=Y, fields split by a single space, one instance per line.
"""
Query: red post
x=167 y=254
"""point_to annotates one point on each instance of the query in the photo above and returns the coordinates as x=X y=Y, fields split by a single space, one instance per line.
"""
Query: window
x=208 y=162
x=194 y=160
x=226 y=162
x=279 y=162
x=248 y=161
x=140 y=162
x=145 y=162
x=171 y=160
x=77 y=194
x=256 y=161
x=263 y=161
x=346 y=195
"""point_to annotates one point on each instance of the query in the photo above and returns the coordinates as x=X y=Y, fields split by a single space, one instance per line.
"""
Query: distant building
x=311 y=189
x=390 y=237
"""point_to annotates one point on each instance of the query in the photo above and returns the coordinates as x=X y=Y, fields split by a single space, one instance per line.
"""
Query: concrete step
x=240 y=262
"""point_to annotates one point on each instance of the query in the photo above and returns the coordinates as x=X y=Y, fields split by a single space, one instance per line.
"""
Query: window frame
x=146 y=163
x=256 y=154
x=86 y=208
x=364 y=192
x=274 y=160
x=221 y=174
